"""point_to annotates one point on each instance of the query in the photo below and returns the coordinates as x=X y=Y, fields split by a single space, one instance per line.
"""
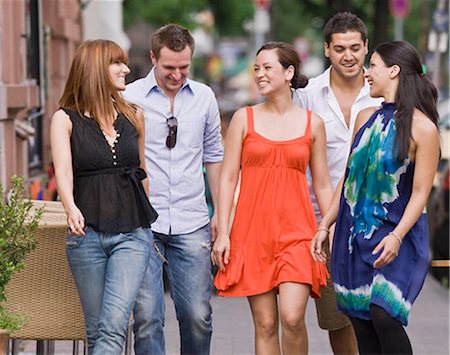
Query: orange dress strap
x=250 y=124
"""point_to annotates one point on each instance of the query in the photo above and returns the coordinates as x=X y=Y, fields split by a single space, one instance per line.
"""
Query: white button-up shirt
x=177 y=189
x=318 y=96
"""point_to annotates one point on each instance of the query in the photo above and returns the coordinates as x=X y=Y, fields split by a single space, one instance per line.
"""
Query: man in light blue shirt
x=182 y=132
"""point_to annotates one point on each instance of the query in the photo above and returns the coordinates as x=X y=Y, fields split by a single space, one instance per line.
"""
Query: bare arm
x=141 y=144
x=425 y=151
x=60 y=131
x=227 y=187
x=318 y=165
x=323 y=230
x=213 y=175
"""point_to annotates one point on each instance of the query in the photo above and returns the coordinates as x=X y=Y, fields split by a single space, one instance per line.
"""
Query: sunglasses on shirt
x=171 y=139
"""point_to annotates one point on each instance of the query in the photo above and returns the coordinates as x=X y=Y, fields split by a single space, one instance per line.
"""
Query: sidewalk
x=428 y=326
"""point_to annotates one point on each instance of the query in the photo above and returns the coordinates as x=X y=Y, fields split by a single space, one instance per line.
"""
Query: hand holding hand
x=317 y=250
x=220 y=254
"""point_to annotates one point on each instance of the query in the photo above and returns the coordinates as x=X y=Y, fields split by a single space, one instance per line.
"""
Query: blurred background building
x=38 y=39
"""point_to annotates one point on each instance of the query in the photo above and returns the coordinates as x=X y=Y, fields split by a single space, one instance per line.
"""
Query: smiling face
x=380 y=77
x=172 y=69
x=269 y=74
x=347 y=52
x=118 y=71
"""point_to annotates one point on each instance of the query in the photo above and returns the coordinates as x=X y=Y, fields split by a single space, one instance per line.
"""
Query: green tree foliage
x=292 y=18
x=160 y=12
x=229 y=14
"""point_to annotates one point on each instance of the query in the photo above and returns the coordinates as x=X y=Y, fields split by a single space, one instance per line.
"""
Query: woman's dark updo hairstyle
x=415 y=90
x=287 y=55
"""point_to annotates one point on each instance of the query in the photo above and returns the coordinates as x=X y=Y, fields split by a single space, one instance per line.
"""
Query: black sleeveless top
x=107 y=180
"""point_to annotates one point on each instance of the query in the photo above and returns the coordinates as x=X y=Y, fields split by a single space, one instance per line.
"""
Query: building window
x=35 y=141
x=35 y=116
x=33 y=34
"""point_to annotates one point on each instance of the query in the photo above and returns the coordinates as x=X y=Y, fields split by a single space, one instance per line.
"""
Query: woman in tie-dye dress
x=380 y=245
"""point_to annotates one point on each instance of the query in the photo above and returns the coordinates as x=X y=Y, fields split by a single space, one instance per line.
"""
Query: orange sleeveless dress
x=274 y=220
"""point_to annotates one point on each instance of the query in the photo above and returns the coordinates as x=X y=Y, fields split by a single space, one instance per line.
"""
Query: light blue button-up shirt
x=177 y=189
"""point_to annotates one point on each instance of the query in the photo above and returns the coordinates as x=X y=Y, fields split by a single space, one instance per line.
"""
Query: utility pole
x=399 y=10
x=438 y=39
x=261 y=22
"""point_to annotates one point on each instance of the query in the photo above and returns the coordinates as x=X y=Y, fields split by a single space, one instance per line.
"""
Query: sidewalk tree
x=292 y=18
x=229 y=14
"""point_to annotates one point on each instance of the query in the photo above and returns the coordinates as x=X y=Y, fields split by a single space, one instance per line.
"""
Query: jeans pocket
x=73 y=241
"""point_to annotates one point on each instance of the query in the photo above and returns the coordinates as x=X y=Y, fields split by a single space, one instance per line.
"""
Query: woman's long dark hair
x=415 y=90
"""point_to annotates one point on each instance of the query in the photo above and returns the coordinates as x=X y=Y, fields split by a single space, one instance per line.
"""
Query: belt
x=136 y=175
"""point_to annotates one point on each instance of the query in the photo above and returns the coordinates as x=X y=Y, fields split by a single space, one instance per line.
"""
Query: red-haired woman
x=97 y=148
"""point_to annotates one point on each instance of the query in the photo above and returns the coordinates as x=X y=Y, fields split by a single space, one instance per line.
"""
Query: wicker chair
x=44 y=290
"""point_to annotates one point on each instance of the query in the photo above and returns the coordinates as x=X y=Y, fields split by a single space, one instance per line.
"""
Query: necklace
x=111 y=141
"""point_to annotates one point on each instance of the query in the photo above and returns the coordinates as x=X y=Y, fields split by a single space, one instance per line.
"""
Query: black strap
x=136 y=175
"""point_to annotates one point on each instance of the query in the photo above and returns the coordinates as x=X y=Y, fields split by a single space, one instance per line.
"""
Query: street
x=428 y=326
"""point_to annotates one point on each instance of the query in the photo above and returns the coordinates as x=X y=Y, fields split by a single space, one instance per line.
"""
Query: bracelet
x=396 y=237
x=323 y=229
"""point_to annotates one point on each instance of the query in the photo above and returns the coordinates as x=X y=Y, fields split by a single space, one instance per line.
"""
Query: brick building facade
x=37 y=41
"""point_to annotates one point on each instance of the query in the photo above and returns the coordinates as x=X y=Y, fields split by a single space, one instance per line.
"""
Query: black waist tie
x=136 y=175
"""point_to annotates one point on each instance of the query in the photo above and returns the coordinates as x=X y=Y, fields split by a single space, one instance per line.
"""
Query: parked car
x=438 y=202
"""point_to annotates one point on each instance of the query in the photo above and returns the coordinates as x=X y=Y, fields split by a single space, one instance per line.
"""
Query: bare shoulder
x=424 y=130
x=317 y=126
x=240 y=116
x=367 y=112
x=61 y=119
x=239 y=121
x=316 y=121
x=423 y=124
x=60 y=115
x=363 y=116
x=60 y=123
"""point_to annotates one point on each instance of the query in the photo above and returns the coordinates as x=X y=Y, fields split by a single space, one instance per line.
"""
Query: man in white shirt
x=337 y=95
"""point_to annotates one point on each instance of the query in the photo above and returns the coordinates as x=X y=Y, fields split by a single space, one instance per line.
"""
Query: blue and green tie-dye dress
x=376 y=190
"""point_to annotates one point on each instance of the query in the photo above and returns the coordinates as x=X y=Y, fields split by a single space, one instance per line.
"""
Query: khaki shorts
x=328 y=317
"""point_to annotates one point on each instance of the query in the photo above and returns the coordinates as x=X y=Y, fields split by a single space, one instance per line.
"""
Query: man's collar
x=151 y=84
x=326 y=82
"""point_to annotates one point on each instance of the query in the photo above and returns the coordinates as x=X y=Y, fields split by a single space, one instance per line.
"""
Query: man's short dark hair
x=344 y=22
x=172 y=36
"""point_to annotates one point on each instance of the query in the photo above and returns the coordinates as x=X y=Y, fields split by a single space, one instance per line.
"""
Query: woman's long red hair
x=89 y=87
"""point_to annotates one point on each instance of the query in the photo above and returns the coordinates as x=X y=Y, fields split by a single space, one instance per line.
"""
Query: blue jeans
x=188 y=269
x=108 y=269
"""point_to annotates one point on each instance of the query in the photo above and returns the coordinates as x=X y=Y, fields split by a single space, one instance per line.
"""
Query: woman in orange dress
x=267 y=251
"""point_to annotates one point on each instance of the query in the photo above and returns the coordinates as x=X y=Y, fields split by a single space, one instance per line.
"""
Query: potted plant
x=18 y=222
